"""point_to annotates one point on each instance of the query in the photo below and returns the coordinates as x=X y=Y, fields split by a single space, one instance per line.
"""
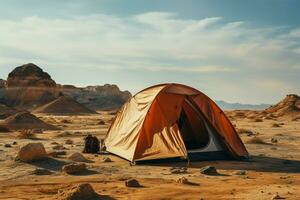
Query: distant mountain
x=238 y=106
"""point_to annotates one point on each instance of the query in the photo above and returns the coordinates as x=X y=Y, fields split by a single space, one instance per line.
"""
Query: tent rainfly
x=169 y=121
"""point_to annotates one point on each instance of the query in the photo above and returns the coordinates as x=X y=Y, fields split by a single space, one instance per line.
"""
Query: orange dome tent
x=172 y=120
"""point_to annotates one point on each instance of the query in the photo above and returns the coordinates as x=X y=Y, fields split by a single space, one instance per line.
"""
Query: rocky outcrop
x=29 y=86
x=99 y=97
x=29 y=75
x=290 y=105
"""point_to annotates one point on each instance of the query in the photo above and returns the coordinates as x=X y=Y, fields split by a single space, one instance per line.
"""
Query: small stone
x=241 y=172
x=74 y=168
x=209 y=170
x=106 y=159
x=132 y=183
x=14 y=143
x=274 y=140
x=276 y=196
x=178 y=170
x=7 y=145
x=59 y=147
x=183 y=180
x=77 y=157
x=69 y=141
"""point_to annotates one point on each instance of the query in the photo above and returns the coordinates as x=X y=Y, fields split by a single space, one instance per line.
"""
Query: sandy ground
x=273 y=167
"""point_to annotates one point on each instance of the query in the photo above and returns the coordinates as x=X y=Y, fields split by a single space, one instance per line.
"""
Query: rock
x=31 y=152
x=209 y=170
x=241 y=172
x=15 y=143
x=69 y=141
x=274 y=140
x=78 y=192
x=183 y=180
x=178 y=170
x=106 y=159
x=74 y=168
x=276 y=196
x=59 y=147
x=77 y=157
x=55 y=154
x=101 y=122
x=40 y=171
x=132 y=183
x=7 y=145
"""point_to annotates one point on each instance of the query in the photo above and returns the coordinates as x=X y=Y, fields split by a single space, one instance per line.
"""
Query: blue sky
x=238 y=51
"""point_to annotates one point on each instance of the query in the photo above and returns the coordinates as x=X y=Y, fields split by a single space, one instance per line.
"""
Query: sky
x=245 y=51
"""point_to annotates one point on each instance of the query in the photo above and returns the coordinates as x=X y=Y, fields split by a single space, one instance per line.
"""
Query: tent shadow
x=255 y=163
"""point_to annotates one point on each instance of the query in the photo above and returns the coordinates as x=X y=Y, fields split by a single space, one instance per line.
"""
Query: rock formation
x=290 y=105
x=64 y=106
x=29 y=86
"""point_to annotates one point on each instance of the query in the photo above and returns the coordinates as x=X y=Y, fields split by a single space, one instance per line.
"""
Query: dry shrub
x=3 y=129
x=26 y=134
x=256 y=140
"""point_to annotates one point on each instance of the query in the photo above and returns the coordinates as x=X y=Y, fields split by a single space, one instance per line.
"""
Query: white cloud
x=155 y=42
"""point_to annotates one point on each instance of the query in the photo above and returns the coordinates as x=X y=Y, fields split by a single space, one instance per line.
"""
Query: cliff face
x=98 y=97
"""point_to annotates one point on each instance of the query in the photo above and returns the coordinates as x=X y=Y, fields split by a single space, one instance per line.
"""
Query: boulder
x=132 y=183
x=209 y=170
x=74 y=168
x=31 y=152
x=78 y=192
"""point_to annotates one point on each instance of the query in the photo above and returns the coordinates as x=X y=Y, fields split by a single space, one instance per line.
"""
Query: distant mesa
x=64 y=106
x=290 y=105
x=29 y=75
x=26 y=120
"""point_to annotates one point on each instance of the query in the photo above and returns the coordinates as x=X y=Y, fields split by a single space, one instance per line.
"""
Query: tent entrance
x=195 y=131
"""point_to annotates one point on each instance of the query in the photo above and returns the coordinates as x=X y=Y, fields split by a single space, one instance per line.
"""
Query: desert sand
x=273 y=167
